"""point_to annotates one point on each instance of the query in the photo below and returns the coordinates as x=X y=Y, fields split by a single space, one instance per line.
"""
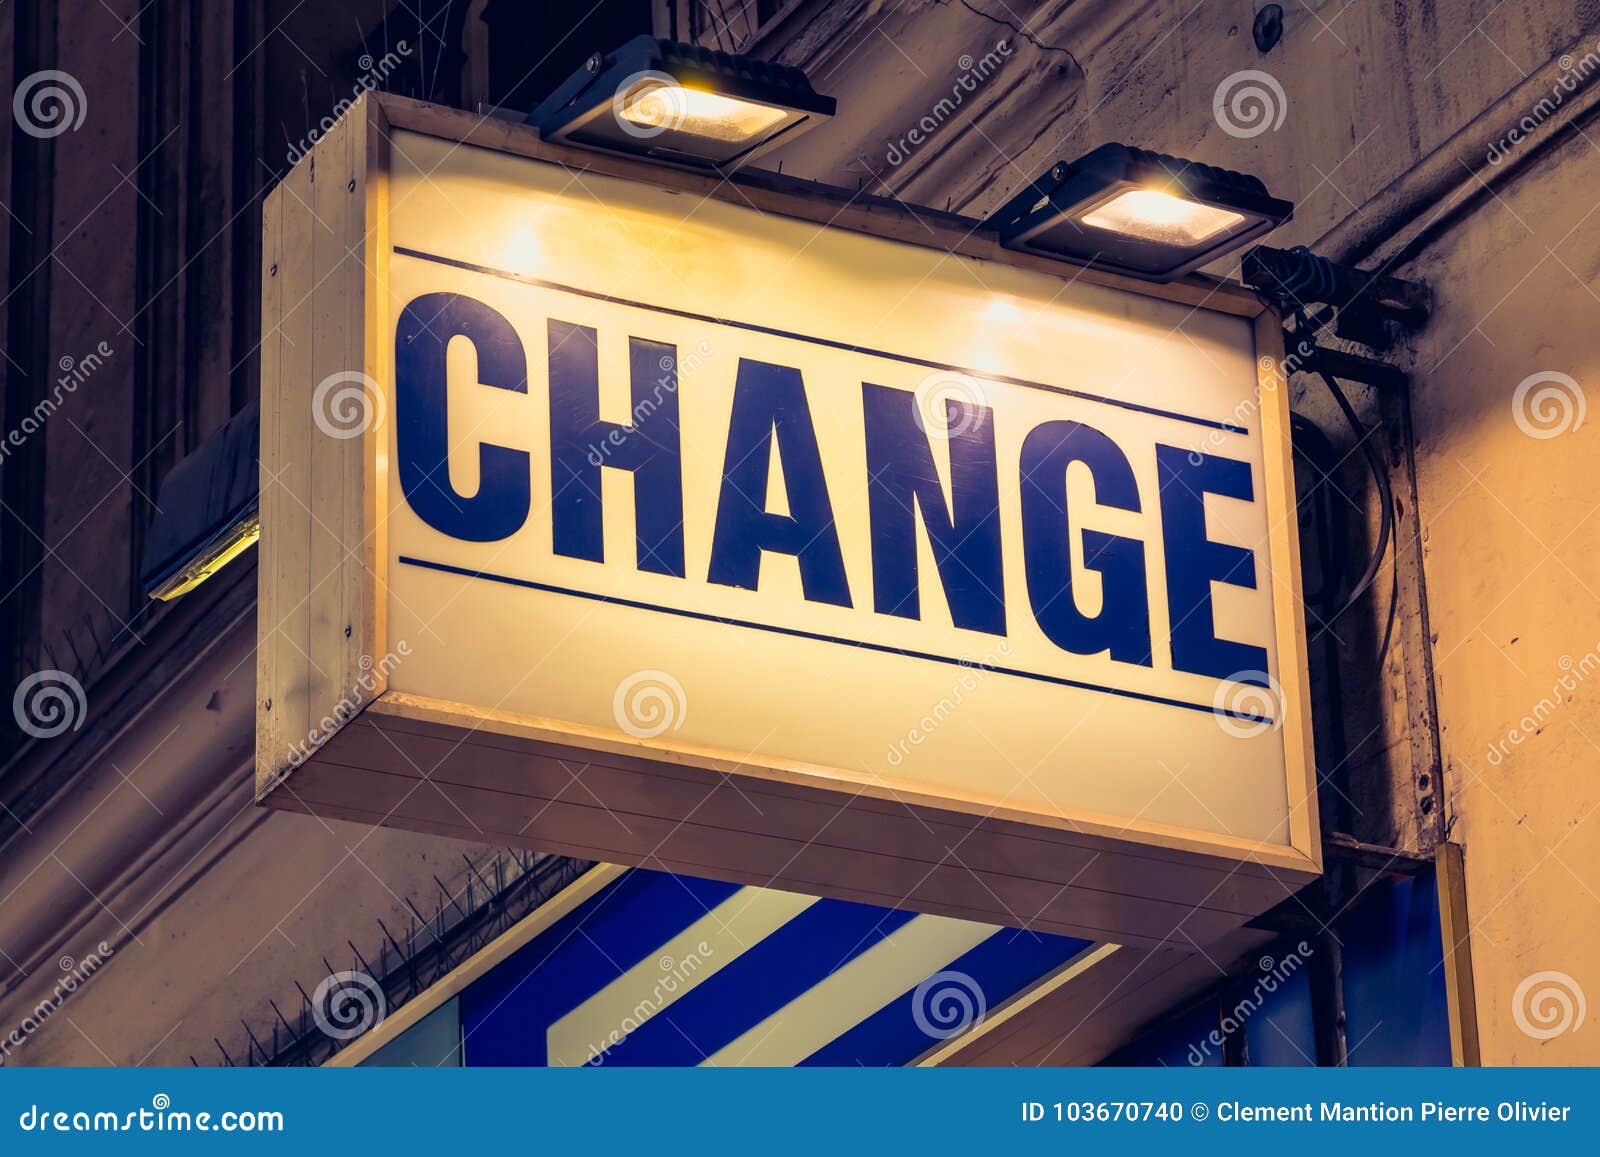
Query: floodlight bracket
x=1371 y=308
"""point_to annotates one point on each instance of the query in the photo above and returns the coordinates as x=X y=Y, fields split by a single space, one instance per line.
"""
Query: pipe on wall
x=1408 y=214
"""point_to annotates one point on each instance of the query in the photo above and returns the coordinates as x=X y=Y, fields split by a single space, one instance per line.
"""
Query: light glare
x=702 y=114
x=1156 y=215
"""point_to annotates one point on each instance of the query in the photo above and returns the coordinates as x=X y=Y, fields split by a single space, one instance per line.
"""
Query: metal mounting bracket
x=1371 y=308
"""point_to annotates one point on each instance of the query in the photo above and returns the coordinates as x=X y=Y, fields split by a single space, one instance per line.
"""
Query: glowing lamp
x=1144 y=214
x=681 y=103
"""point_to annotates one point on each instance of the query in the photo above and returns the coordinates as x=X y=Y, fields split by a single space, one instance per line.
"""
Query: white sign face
x=675 y=469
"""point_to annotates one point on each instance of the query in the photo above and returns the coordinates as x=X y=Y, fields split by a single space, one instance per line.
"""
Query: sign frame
x=334 y=740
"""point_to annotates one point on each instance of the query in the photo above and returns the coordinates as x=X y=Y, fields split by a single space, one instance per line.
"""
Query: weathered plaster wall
x=1512 y=542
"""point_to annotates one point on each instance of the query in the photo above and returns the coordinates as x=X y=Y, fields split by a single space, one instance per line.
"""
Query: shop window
x=1268 y=1013
x=1281 y=1032
x=1396 y=1010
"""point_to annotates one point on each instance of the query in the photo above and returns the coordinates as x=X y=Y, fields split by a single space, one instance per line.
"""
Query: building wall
x=133 y=863
x=1510 y=549
x=1389 y=113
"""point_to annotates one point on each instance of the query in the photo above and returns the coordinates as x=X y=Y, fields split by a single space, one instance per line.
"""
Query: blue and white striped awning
x=659 y=969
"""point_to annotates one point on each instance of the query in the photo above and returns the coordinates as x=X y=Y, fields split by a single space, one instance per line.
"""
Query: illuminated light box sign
x=744 y=532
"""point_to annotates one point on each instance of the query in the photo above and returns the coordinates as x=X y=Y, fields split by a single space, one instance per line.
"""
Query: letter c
x=423 y=334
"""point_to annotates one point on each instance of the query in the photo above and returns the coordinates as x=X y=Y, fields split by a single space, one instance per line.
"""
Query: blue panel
x=1280 y=1033
x=1006 y=963
x=796 y=957
x=1394 y=984
x=504 y=1016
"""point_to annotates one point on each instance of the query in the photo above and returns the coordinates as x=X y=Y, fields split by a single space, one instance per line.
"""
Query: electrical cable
x=1380 y=479
x=1394 y=602
x=1317 y=449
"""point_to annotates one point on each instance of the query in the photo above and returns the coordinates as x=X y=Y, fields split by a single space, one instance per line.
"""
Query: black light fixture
x=1144 y=214
x=681 y=103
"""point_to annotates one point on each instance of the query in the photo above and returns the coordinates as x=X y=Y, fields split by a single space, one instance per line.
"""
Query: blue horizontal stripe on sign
x=830 y=343
x=634 y=604
x=505 y=1015
x=770 y=974
x=1003 y=965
